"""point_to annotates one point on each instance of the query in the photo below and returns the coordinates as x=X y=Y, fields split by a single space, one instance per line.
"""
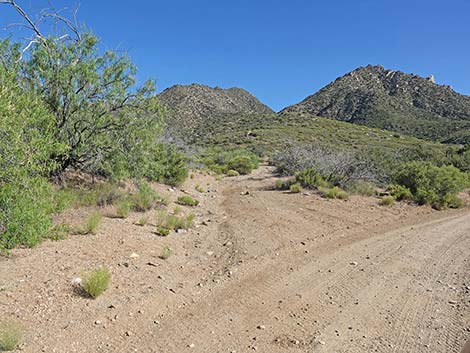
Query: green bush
x=430 y=184
x=146 y=198
x=221 y=162
x=295 y=188
x=96 y=282
x=187 y=200
x=168 y=166
x=232 y=173
x=334 y=193
x=11 y=334
x=25 y=213
x=400 y=192
x=387 y=201
x=243 y=164
x=310 y=178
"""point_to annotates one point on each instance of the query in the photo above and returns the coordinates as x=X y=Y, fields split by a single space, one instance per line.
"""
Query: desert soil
x=263 y=270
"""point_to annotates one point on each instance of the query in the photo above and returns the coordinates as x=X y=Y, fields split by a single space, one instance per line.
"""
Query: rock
x=261 y=327
x=209 y=253
x=77 y=281
x=354 y=263
x=452 y=302
x=134 y=255
x=192 y=345
x=97 y=322
x=181 y=231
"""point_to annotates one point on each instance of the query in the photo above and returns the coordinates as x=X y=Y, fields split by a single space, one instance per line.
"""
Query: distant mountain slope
x=191 y=105
x=395 y=101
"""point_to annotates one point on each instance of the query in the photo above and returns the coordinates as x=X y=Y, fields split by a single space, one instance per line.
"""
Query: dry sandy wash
x=263 y=271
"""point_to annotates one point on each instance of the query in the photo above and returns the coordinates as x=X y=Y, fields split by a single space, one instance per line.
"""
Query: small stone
x=354 y=263
x=181 y=231
x=261 y=327
x=322 y=343
x=128 y=333
x=192 y=345
x=97 y=322
x=134 y=256
x=77 y=281
x=452 y=302
x=209 y=253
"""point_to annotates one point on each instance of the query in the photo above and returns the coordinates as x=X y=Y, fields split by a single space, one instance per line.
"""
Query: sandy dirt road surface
x=263 y=271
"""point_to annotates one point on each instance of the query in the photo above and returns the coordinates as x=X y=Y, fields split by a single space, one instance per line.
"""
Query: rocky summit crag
x=393 y=100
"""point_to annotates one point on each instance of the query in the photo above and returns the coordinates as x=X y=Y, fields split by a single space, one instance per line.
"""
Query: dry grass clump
x=91 y=224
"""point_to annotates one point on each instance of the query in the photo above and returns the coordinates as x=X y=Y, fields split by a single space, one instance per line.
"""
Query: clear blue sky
x=280 y=50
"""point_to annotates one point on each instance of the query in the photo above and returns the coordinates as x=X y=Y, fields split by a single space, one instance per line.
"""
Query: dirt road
x=265 y=271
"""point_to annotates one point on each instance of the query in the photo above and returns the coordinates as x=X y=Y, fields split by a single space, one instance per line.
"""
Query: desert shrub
x=166 y=253
x=168 y=166
x=310 y=178
x=11 y=334
x=187 y=200
x=166 y=222
x=146 y=198
x=283 y=184
x=400 y=192
x=25 y=212
x=387 y=201
x=243 y=164
x=142 y=221
x=91 y=224
x=363 y=188
x=334 y=193
x=232 y=173
x=96 y=282
x=295 y=188
x=123 y=209
x=221 y=162
x=430 y=184
x=337 y=167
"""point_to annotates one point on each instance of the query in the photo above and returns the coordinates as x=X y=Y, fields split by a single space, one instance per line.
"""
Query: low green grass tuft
x=11 y=334
x=187 y=200
x=387 y=201
x=91 y=224
x=295 y=188
x=96 y=282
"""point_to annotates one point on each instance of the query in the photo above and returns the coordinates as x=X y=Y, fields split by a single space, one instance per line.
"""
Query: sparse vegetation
x=363 y=188
x=229 y=162
x=11 y=333
x=142 y=221
x=123 y=209
x=96 y=282
x=200 y=189
x=91 y=224
x=166 y=253
x=334 y=193
x=167 y=222
x=187 y=200
x=232 y=173
x=400 y=192
x=387 y=201
x=295 y=188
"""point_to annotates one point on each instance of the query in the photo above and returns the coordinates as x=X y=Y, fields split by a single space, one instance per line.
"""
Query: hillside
x=190 y=106
x=270 y=132
x=395 y=101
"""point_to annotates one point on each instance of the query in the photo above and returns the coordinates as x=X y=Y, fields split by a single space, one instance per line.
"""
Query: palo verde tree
x=103 y=119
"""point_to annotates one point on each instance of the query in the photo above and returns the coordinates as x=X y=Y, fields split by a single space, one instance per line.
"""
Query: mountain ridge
x=392 y=100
